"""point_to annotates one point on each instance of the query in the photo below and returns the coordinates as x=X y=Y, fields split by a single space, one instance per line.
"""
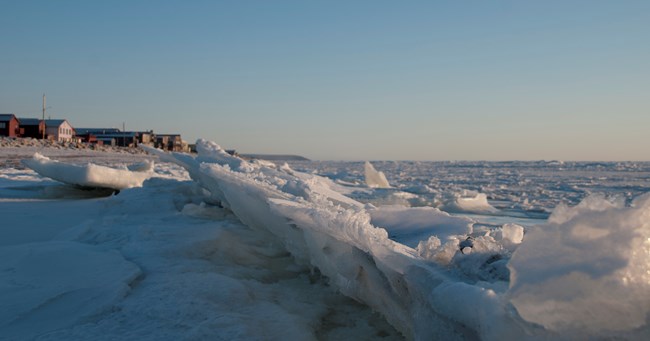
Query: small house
x=171 y=142
x=31 y=127
x=59 y=130
x=9 y=125
x=146 y=137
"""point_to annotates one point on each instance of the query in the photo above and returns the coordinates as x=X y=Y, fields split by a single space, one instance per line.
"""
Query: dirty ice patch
x=588 y=270
x=51 y=285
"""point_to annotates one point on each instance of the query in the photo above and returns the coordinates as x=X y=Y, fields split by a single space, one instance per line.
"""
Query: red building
x=9 y=125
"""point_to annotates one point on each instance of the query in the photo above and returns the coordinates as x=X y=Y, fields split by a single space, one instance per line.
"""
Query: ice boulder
x=587 y=272
x=512 y=232
x=509 y=235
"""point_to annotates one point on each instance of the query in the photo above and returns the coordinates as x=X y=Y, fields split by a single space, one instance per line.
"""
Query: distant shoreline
x=12 y=150
x=275 y=157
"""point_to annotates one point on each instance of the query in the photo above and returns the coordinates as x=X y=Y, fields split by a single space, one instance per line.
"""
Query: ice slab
x=91 y=175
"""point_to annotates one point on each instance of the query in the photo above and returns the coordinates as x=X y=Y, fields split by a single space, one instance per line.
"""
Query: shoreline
x=13 y=150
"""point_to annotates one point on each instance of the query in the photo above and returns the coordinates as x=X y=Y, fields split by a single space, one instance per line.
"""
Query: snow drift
x=91 y=175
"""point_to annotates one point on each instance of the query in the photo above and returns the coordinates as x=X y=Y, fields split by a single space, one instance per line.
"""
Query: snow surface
x=255 y=250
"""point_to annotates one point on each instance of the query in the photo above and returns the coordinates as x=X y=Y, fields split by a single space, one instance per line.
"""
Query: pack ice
x=582 y=275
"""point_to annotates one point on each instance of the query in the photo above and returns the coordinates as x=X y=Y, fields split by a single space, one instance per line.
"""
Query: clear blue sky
x=352 y=80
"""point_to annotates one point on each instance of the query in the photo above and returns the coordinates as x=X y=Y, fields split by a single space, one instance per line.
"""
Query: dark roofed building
x=121 y=139
x=96 y=135
x=9 y=125
x=113 y=136
x=31 y=127
x=96 y=131
x=146 y=137
x=171 y=142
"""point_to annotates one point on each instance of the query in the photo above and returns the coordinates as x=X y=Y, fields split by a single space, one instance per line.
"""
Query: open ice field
x=215 y=247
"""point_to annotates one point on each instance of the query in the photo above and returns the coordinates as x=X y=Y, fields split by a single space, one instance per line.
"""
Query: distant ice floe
x=468 y=202
x=375 y=178
x=583 y=275
x=411 y=225
x=91 y=175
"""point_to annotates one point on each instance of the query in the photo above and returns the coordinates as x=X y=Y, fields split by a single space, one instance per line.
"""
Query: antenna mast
x=43 y=116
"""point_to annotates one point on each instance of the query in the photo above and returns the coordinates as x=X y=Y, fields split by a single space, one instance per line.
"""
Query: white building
x=59 y=130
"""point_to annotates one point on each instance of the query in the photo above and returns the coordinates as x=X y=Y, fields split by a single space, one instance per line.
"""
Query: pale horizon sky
x=343 y=80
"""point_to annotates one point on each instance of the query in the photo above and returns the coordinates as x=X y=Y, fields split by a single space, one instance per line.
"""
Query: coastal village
x=60 y=130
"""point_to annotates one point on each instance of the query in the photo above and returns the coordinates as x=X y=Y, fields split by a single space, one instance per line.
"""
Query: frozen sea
x=215 y=247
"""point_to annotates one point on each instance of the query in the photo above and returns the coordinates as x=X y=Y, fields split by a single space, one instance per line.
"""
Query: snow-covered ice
x=213 y=246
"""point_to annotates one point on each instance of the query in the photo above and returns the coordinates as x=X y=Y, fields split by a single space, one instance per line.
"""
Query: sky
x=343 y=80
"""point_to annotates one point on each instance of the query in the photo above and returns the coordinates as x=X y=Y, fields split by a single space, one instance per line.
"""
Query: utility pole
x=43 y=116
x=123 y=134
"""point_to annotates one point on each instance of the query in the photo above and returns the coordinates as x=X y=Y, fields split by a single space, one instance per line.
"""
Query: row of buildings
x=61 y=130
